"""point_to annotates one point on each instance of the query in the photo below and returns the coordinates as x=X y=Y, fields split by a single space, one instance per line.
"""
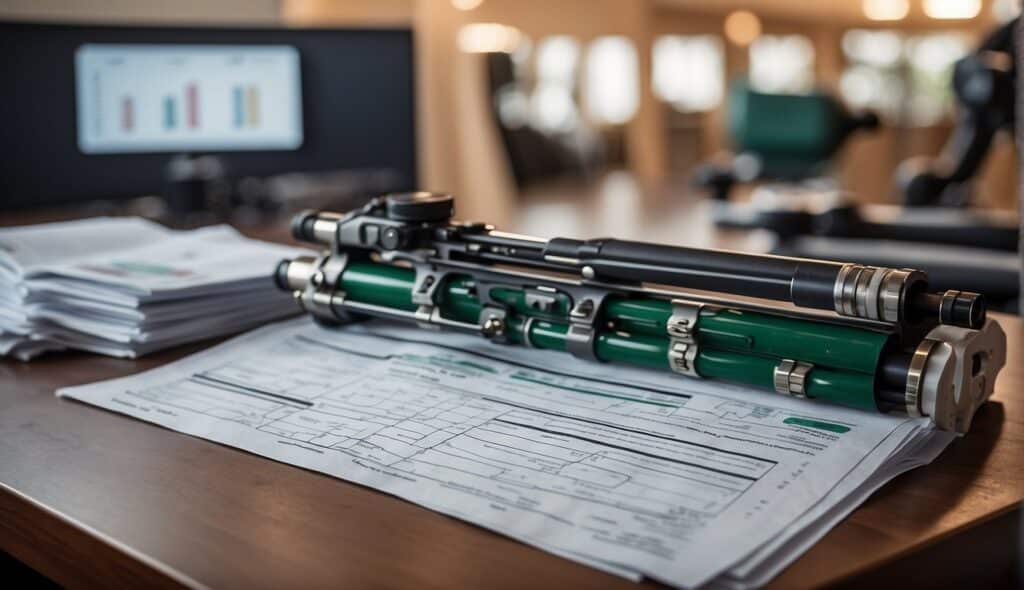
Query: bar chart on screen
x=162 y=98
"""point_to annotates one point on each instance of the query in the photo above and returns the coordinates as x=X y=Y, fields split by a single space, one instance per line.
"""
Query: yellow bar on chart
x=252 y=106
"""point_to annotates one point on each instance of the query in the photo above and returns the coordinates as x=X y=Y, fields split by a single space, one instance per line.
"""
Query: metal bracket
x=579 y=339
x=681 y=327
x=790 y=378
x=424 y=291
x=540 y=298
x=322 y=295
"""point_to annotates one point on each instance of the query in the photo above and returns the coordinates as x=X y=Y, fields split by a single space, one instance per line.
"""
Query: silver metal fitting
x=492 y=323
x=527 y=326
x=681 y=328
x=915 y=375
x=316 y=285
x=790 y=378
x=871 y=292
x=952 y=373
x=579 y=339
x=682 y=358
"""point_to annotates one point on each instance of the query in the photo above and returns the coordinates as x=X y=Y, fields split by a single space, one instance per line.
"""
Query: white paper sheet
x=676 y=479
x=126 y=286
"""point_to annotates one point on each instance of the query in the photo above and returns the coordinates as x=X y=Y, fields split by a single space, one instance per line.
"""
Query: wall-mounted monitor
x=98 y=112
x=173 y=98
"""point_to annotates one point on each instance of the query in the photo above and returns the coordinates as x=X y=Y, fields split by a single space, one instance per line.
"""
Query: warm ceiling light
x=489 y=38
x=952 y=9
x=886 y=9
x=466 y=4
x=742 y=27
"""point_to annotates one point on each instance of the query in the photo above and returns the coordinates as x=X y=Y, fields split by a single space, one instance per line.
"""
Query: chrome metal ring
x=891 y=294
x=874 y=303
x=862 y=293
x=780 y=376
x=837 y=289
x=915 y=377
x=798 y=380
x=527 y=325
x=849 y=296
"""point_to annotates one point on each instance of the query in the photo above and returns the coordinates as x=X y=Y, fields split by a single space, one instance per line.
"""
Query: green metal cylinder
x=735 y=346
x=818 y=343
x=380 y=284
x=846 y=388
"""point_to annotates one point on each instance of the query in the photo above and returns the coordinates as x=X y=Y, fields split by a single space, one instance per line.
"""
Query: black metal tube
x=808 y=283
x=800 y=281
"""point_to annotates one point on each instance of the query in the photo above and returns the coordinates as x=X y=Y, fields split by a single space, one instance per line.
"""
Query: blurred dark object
x=780 y=137
x=12 y=569
x=819 y=208
x=357 y=98
x=533 y=154
x=198 y=191
x=984 y=84
x=285 y=194
x=196 y=185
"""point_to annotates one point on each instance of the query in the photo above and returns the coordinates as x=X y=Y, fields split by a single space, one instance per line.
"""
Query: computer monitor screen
x=172 y=98
x=99 y=112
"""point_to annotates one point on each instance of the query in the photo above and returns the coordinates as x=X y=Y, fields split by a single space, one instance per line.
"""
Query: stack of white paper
x=639 y=473
x=126 y=286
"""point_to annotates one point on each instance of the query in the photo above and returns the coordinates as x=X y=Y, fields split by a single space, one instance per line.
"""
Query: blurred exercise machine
x=984 y=84
x=933 y=230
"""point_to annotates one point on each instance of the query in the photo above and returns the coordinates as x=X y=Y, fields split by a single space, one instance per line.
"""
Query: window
x=611 y=86
x=782 y=64
x=557 y=59
x=687 y=71
x=931 y=59
x=873 y=79
x=552 y=106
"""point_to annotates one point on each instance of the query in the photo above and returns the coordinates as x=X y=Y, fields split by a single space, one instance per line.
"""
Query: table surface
x=89 y=497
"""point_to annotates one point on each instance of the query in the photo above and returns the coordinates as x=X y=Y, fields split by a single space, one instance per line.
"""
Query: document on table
x=637 y=472
x=127 y=286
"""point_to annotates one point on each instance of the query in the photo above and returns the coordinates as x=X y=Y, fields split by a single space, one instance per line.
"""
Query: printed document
x=637 y=472
x=126 y=286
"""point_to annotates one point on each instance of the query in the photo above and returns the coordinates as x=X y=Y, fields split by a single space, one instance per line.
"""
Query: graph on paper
x=163 y=98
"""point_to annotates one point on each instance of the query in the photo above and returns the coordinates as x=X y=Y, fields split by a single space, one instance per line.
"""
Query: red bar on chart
x=127 y=114
x=192 y=105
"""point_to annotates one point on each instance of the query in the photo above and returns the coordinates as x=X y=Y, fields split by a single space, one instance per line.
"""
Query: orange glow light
x=742 y=27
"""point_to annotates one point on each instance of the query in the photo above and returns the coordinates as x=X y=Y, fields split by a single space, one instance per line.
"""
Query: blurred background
x=652 y=119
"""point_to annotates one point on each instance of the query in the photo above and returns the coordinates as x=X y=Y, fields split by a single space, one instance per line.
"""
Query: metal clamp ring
x=527 y=326
x=915 y=377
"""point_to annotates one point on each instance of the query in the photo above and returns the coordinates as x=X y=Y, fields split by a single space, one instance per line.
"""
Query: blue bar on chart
x=169 y=113
x=239 y=106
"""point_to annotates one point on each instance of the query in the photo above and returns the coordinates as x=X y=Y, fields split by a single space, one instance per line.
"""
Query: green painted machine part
x=839 y=347
x=736 y=346
x=794 y=135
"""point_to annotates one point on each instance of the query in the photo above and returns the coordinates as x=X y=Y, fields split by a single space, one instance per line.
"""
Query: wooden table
x=92 y=498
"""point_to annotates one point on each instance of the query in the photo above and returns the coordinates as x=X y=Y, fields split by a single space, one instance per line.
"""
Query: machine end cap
x=420 y=207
